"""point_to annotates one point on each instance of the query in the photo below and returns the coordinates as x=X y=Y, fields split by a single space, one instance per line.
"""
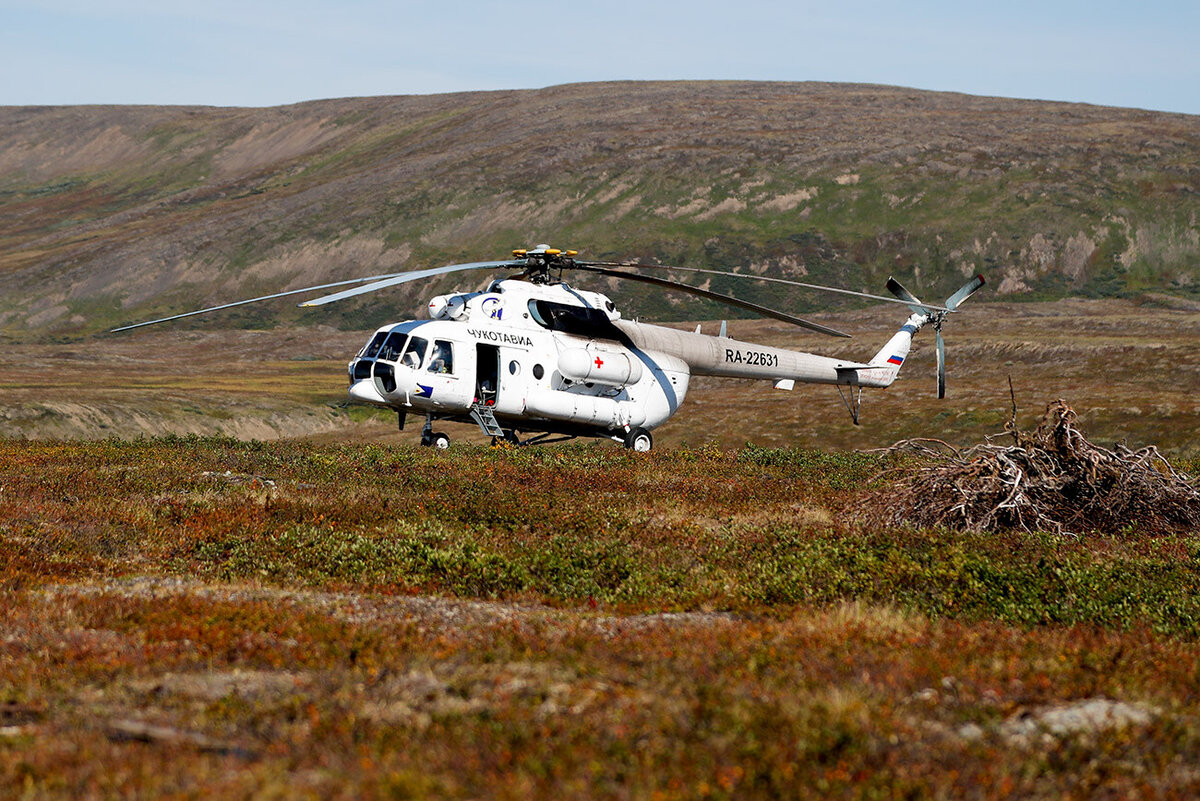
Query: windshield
x=372 y=348
x=393 y=347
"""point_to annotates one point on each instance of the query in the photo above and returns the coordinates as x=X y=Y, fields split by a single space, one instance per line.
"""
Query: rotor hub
x=540 y=260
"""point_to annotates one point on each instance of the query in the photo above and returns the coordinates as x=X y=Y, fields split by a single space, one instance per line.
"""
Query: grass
x=203 y=616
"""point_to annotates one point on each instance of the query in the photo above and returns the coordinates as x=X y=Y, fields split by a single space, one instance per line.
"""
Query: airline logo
x=493 y=308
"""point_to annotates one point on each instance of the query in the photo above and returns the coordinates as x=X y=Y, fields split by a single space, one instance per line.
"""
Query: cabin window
x=442 y=360
x=414 y=353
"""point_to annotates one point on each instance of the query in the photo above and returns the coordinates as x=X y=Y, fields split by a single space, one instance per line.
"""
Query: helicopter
x=533 y=360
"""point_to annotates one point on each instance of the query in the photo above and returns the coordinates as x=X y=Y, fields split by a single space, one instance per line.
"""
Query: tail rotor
x=936 y=317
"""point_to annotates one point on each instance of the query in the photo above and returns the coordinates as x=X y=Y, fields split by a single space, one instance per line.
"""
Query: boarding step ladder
x=487 y=421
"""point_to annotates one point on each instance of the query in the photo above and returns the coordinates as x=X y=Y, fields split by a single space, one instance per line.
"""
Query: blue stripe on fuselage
x=663 y=380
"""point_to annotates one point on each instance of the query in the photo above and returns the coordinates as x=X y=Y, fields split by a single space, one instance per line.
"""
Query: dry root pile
x=1050 y=480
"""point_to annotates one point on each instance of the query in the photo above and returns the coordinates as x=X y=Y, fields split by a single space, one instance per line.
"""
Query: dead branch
x=1052 y=479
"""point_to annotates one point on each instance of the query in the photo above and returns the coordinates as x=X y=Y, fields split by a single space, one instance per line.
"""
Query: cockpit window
x=414 y=354
x=578 y=320
x=393 y=346
x=372 y=349
x=442 y=360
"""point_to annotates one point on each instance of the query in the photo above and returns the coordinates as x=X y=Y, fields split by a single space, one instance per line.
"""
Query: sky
x=264 y=53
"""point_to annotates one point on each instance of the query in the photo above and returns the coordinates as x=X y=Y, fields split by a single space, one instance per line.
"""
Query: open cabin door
x=487 y=374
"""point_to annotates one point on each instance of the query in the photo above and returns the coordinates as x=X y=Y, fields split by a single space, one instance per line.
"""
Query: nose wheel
x=436 y=439
x=433 y=439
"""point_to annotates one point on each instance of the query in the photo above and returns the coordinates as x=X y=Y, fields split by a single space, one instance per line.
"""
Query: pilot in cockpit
x=442 y=358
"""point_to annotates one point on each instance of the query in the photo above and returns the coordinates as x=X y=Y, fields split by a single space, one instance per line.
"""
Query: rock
x=1089 y=716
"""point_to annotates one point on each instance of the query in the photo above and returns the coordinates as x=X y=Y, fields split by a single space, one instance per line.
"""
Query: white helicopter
x=536 y=358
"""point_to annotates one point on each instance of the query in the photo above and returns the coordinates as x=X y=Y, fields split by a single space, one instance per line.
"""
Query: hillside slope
x=112 y=214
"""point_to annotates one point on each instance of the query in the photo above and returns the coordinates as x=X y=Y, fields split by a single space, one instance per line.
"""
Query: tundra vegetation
x=218 y=618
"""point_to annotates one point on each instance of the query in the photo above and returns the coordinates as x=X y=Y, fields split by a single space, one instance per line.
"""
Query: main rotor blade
x=967 y=290
x=704 y=293
x=416 y=275
x=255 y=300
x=751 y=277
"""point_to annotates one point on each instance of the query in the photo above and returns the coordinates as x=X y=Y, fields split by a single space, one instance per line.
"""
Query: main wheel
x=440 y=441
x=639 y=439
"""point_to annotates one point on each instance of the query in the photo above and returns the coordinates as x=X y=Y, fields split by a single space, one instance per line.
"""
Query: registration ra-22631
x=752 y=358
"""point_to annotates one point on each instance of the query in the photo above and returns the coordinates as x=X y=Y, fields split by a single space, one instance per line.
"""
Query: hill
x=111 y=214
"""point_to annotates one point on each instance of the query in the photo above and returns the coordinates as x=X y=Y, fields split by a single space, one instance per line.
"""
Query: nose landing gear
x=431 y=438
x=436 y=440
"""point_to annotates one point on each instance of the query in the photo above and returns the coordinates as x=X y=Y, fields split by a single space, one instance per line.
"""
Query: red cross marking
x=599 y=363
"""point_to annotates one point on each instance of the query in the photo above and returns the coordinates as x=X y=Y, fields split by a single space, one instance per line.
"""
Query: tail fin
x=887 y=362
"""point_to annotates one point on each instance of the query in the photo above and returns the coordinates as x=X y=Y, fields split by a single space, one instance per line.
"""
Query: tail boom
x=731 y=358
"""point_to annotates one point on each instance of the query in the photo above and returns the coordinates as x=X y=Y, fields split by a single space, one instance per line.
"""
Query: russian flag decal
x=896 y=360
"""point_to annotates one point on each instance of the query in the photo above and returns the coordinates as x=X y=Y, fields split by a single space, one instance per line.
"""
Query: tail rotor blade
x=897 y=289
x=941 y=365
x=968 y=289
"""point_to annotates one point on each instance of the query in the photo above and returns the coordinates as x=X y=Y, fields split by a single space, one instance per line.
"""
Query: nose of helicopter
x=381 y=383
x=365 y=391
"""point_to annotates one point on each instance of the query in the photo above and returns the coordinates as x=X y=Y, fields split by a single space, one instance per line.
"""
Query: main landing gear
x=639 y=439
